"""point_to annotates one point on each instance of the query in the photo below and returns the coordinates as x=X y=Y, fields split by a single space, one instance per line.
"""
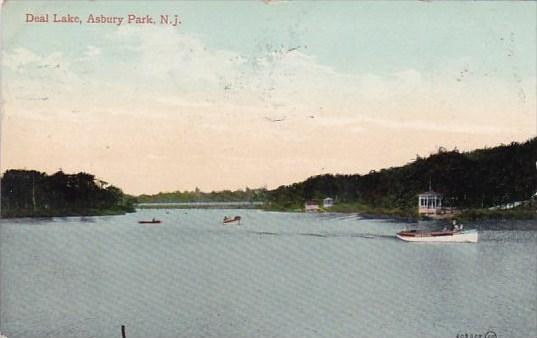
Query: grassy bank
x=357 y=208
x=412 y=214
x=20 y=213
x=486 y=214
x=374 y=212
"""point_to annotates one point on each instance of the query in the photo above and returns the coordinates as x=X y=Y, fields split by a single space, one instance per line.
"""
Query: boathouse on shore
x=311 y=206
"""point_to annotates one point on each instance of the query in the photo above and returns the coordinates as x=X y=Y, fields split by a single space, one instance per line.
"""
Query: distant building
x=505 y=206
x=311 y=206
x=328 y=202
x=429 y=203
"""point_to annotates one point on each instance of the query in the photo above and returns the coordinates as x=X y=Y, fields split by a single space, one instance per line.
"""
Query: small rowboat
x=236 y=219
x=153 y=221
x=463 y=236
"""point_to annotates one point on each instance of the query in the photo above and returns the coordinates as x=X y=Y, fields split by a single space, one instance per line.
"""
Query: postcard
x=268 y=168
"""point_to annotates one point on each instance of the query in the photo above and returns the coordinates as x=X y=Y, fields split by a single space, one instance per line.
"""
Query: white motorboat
x=460 y=236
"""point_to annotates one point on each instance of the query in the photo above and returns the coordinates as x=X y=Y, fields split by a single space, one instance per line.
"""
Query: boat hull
x=230 y=220
x=469 y=236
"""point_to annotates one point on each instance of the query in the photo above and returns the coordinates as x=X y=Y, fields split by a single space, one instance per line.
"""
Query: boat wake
x=374 y=236
x=325 y=235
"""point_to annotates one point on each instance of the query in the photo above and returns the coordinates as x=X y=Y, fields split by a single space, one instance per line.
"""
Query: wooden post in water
x=123 y=334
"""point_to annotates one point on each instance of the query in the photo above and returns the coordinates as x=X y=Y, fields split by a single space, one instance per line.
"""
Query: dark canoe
x=156 y=221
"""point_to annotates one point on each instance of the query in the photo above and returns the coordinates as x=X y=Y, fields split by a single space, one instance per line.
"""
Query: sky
x=261 y=93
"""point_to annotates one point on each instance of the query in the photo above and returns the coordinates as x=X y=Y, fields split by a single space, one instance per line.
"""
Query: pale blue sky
x=350 y=36
x=352 y=86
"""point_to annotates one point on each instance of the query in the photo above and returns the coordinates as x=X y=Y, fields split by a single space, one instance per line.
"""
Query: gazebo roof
x=430 y=193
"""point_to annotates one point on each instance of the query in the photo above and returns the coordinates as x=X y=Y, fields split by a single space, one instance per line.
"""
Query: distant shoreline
x=201 y=205
x=351 y=208
x=344 y=208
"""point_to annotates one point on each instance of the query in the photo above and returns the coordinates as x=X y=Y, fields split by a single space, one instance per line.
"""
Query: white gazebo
x=429 y=203
x=328 y=202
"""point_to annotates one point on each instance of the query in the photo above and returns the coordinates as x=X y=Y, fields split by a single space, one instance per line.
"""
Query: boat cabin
x=429 y=203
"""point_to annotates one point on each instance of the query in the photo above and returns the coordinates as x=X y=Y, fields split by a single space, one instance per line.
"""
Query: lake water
x=275 y=275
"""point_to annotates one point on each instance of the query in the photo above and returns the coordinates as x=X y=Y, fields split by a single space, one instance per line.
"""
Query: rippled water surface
x=275 y=275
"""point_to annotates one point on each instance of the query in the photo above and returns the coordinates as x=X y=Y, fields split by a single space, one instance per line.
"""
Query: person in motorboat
x=456 y=227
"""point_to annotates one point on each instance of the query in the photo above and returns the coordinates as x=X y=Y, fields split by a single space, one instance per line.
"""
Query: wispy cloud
x=278 y=109
x=91 y=51
x=165 y=71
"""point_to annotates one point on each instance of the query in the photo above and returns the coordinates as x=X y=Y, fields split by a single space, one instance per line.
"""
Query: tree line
x=246 y=195
x=477 y=179
x=27 y=193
